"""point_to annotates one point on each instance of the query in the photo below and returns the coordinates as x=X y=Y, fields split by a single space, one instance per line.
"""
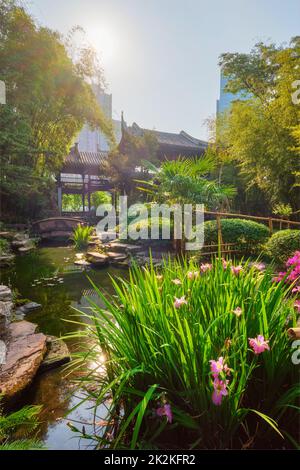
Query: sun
x=104 y=40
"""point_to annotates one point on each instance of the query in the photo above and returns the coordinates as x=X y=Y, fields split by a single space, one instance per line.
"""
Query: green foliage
x=284 y=210
x=23 y=422
x=48 y=101
x=72 y=202
x=81 y=236
x=100 y=197
x=157 y=354
x=240 y=231
x=282 y=245
x=147 y=225
x=122 y=161
x=4 y=246
x=185 y=181
x=262 y=132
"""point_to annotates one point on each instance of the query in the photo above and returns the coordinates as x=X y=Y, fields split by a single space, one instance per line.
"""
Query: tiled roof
x=168 y=138
x=83 y=161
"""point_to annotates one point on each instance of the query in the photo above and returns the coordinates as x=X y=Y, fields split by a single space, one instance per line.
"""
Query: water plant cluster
x=196 y=356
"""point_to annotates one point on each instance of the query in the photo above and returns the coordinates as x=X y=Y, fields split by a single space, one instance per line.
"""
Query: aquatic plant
x=164 y=385
x=23 y=421
x=81 y=236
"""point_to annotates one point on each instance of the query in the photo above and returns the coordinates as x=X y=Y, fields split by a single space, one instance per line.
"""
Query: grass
x=156 y=354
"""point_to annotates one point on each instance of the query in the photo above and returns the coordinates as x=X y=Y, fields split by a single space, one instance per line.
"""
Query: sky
x=160 y=57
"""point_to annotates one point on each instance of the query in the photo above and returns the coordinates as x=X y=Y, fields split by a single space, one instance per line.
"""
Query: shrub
x=282 y=245
x=159 y=338
x=81 y=236
x=4 y=246
x=240 y=231
x=144 y=226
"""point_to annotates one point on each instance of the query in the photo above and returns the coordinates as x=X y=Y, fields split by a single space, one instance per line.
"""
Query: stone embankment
x=23 y=350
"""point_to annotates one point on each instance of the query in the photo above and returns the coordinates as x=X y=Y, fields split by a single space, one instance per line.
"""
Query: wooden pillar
x=270 y=225
x=220 y=238
x=59 y=194
x=89 y=193
x=83 y=193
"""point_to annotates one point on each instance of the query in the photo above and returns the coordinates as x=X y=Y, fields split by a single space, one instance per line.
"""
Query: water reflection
x=54 y=389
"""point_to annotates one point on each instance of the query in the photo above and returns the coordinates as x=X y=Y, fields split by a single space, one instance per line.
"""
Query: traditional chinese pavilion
x=170 y=145
x=82 y=172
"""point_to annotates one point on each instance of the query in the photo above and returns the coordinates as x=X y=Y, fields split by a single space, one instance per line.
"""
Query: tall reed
x=158 y=334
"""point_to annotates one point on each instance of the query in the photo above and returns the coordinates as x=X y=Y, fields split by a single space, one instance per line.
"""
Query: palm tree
x=185 y=180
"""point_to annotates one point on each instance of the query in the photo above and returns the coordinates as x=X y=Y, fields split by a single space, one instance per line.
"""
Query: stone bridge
x=55 y=227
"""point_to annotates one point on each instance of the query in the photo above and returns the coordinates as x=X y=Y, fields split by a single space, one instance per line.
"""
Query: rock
x=26 y=308
x=21 y=236
x=6 y=306
x=5 y=293
x=7 y=235
x=22 y=328
x=57 y=354
x=124 y=247
x=5 y=315
x=25 y=249
x=82 y=262
x=23 y=245
x=115 y=256
x=6 y=260
x=94 y=240
x=24 y=354
x=106 y=236
x=18 y=243
x=97 y=258
x=123 y=264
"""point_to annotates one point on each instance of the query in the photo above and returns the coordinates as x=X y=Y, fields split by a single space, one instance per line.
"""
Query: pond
x=53 y=389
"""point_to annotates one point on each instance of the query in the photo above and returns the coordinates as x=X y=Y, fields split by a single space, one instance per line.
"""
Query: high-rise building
x=226 y=98
x=94 y=140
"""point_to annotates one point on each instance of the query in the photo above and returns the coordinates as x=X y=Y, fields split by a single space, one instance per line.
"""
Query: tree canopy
x=49 y=98
x=262 y=132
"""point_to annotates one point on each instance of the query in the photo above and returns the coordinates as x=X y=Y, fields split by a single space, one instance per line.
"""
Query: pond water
x=53 y=389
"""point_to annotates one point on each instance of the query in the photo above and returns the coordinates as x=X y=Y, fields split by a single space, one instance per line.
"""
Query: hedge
x=282 y=245
x=239 y=231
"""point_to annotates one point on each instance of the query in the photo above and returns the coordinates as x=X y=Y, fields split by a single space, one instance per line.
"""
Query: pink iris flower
x=259 y=344
x=293 y=271
x=259 y=266
x=297 y=305
x=217 y=366
x=192 y=275
x=237 y=311
x=279 y=277
x=294 y=260
x=165 y=410
x=205 y=267
x=179 y=302
x=296 y=289
x=236 y=269
x=224 y=263
x=177 y=282
x=220 y=391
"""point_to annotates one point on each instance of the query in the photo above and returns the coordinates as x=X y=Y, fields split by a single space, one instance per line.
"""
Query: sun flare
x=104 y=40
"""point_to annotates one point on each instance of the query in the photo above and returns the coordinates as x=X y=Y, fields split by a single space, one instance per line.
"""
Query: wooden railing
x=230 y=248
